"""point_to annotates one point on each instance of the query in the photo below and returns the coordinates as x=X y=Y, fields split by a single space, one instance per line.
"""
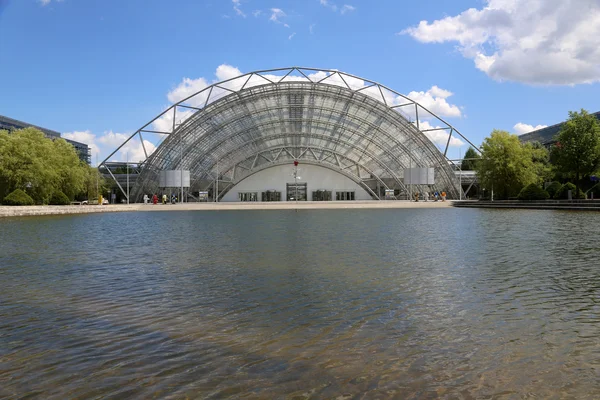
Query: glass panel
x=296 y=192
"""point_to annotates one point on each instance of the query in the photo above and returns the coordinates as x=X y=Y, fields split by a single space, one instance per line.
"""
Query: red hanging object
x=295 y=163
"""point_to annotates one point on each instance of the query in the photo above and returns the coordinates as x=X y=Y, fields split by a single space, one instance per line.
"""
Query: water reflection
x=387 y=303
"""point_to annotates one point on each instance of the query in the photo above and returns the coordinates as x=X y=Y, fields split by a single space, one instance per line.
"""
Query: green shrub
x=563 y=192
x=533 y=192
x=18 y=198
x=59 y=199
x=553 y=188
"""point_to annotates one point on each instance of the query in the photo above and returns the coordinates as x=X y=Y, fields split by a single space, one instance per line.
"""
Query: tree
x=577 y=149
x=94 y=180
x=18 y=198
x=506 y=166
x=533 y=192
x=541 y=160
x=469 y=161
x=39 y=166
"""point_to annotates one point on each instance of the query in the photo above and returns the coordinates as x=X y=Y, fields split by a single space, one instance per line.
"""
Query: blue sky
x=96 y=70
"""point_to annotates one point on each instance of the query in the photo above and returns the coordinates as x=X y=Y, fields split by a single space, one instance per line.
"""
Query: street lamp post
x=127 y=169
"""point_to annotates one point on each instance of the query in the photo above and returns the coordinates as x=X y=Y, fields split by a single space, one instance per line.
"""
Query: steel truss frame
x=238 y=127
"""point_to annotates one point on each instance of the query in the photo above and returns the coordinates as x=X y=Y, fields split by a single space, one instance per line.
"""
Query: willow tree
x=577 y=150
x=506 y=165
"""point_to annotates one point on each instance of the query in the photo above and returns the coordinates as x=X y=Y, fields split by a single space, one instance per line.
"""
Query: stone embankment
x=574 y=205
x=8 y=211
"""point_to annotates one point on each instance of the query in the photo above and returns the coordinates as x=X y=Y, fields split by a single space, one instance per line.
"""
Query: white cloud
x=521 y=128
x=311 y=28
x=439 y=137
x=256 y=13
x=327 y=3
x=276 y=14
x=291 y=36
x=86 y=137
x=435 y=101
x=347 y=8
x=113 y=139
x=552 y=42
x=103 y=145
x=134 y=151
x=237 y=8
x=225 y=72
x=46 y=2
x=186 y=88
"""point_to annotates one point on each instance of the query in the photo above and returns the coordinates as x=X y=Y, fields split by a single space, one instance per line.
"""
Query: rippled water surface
x=429 y=303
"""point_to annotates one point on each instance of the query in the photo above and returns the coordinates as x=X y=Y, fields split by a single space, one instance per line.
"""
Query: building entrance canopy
x=236 y=128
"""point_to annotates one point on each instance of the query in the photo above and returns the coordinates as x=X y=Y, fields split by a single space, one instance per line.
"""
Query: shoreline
x=22 y=211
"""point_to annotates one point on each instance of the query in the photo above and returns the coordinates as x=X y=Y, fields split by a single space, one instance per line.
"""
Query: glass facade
x=235 y=128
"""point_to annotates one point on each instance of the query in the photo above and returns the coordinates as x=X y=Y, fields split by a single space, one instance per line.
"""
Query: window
x=296 y=190
x=321 y=195
x=248 y=196
x=345 y=195
x=271 y=195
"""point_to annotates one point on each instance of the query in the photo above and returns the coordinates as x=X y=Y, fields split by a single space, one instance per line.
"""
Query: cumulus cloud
x=439 y=137
x=549 y=42
x=134 y=151
x=189 y=86
x=102 y=145
x=435 y=101
x=521 y=128
x=291 y=36
x=86 y=137
x=112 y=139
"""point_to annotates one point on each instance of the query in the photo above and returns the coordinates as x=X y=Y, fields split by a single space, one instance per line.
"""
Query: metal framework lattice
x=235 y=128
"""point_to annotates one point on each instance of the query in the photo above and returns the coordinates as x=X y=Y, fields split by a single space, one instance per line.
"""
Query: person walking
x=443 y=196
x=164 y=199
x=145 y=199
x=426 y=196
x=154 y=199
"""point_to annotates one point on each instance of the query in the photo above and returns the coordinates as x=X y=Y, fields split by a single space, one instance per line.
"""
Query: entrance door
x=296 y=190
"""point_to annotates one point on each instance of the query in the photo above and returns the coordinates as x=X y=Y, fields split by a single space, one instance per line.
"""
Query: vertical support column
x=127 y=168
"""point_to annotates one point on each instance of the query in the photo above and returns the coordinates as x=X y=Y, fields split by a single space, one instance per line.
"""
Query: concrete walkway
x=8 y=211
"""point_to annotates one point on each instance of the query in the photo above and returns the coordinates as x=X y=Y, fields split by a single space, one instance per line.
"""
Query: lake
x=383 y=303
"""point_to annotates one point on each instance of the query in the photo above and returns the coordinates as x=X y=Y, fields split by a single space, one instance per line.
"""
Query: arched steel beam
x=376 y=160
x=327 y=77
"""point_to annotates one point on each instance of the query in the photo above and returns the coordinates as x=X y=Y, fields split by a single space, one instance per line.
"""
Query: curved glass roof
x=236 y=128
